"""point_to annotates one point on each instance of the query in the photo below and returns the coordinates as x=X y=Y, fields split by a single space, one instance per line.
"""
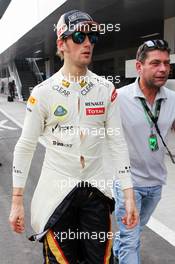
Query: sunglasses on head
x=79 y=37
x=156 y=43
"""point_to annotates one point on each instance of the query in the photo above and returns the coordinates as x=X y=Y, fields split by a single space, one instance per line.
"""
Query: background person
x=143 y=103
x=11 y=88
x=2 y=86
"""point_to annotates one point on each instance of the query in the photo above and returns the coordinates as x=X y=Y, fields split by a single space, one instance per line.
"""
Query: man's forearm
x=131 y=218
x=18 y=191
x=129 y=194
x=17 y=195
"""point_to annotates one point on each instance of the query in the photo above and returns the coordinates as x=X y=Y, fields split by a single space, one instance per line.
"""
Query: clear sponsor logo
x=61 y=90
x=87 y=88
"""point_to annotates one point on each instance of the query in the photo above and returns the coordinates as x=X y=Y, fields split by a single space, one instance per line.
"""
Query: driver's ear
x=60 y=44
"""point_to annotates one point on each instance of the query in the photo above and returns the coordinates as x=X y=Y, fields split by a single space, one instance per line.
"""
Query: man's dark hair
x=156 y=44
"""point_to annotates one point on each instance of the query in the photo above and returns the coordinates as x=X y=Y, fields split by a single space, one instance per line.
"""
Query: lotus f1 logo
x=60 y=111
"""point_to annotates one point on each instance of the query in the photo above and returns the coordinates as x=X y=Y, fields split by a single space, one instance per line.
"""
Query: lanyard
x=154 y=119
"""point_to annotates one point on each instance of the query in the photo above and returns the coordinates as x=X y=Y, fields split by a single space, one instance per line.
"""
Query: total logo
x=95 y=111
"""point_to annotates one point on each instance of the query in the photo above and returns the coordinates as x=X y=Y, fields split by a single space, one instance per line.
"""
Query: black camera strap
x=154 y=119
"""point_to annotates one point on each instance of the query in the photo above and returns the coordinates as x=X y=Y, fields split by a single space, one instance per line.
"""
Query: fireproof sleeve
x=116 y=142
x=25 y=147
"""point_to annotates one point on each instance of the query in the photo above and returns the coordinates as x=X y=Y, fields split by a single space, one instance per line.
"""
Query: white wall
x=171 y=84
x=130 y=69
x=169 y=32
x=21 y=16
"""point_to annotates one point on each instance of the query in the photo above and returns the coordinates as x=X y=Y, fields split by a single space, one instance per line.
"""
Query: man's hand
x=16 y=217
x=131 y=218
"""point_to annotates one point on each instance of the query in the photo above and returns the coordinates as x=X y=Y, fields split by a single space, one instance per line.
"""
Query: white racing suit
x=73 y=119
